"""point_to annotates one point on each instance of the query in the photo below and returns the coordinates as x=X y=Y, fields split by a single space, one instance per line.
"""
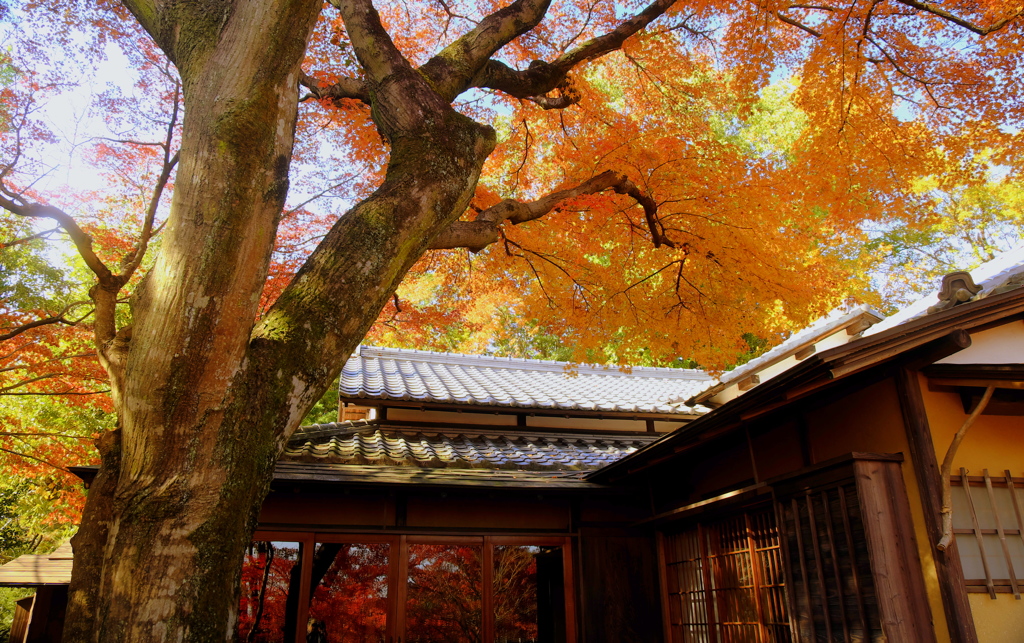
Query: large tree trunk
x=205 y=397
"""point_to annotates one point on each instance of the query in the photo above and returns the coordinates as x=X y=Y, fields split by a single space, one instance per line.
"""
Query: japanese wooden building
x=797 y=498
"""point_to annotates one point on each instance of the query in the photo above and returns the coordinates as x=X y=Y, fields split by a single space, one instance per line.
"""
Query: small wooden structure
x=39 y=618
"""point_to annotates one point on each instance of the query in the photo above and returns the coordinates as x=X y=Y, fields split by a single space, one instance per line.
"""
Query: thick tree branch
x=171 y=24
x=454 y=67
x=961 y=22
x=372 y=44
x=104 y=293
x=485 y=229
x=82 y=241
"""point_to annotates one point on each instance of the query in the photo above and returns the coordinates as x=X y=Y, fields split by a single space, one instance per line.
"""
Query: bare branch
x=31 y=237
x=133 y=259
x=82 y=241
x=30 y=380
x=796 y=23
x=17 y=434
x=46 y=321
x=485 y=229
x=961 y=22
x=32 y=457
x=346 y=87
x=62 y=358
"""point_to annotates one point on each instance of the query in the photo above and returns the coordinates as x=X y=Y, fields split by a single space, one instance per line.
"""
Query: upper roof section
x=33 y=570
x=375 y=373
x=1005 y=272
x=842 y=326
x=834 y=329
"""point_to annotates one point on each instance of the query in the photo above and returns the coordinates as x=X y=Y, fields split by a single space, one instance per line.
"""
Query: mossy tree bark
x=207 y=394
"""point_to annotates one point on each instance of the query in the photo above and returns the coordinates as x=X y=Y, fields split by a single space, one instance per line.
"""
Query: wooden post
x=959 y=620
x=895 y=566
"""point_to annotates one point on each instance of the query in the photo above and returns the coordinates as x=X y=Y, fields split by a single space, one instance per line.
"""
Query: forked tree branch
x=485 y=229
x=542 y=77
x=452 y=70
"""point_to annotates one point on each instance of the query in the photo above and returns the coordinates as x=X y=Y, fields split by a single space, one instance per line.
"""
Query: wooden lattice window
x=833 y=591
x=988 y=521
x=725 y=581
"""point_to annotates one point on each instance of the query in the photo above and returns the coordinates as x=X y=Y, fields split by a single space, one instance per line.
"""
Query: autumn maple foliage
x=641 y=180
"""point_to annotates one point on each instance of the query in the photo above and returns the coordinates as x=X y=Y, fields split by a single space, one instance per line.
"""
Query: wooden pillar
x=959 y=619
x=895 y=565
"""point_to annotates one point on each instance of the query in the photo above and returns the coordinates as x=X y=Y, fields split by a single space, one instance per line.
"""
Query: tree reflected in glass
x=266 y=579
x=444 y=594
x=529 y=597
x=350 y=592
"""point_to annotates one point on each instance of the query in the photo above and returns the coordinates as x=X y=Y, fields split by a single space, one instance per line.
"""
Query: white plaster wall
x=1000 y=345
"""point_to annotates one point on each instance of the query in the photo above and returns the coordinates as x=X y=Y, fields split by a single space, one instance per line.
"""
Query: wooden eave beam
x=423 y=405
x=935 y=345
x=945 y=376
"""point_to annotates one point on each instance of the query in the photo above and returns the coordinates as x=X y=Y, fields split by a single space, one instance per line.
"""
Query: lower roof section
x=503 y=449
x=330 y=473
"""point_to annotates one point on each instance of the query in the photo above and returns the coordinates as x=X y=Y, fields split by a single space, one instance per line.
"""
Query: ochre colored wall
x=997 y=621
x=994 y=442
x=871 y=420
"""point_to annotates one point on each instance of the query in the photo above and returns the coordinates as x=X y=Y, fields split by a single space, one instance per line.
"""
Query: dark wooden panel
x=832 y=593
x=502 y=512
x=22 y=614
x=619 y=587
x=358 y=508
x=47 y=624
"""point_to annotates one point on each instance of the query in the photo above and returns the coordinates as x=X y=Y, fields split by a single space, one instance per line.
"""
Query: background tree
x=596 y=162
x=971 y=223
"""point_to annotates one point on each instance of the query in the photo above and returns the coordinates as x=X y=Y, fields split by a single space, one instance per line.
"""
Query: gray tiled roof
x=502 y=449
x=396 y=374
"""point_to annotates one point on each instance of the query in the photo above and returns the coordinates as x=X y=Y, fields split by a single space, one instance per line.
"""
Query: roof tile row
x=457 y=450
x=383 y=373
